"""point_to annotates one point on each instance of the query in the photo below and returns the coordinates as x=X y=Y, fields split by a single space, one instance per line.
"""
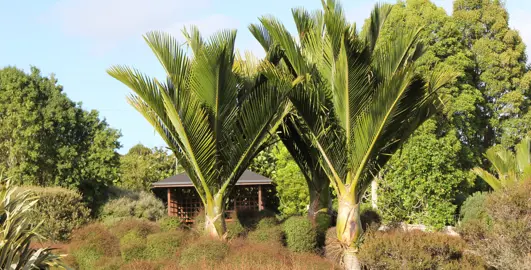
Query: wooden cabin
x=252 y=192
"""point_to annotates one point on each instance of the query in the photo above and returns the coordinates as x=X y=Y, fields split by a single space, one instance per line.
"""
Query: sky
x=78 y=40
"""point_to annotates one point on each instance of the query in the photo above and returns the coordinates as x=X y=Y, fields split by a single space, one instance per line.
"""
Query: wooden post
x=169 y=202
x=260 y=205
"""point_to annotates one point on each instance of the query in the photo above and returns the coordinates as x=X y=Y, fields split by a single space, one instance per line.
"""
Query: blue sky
x=78 y=40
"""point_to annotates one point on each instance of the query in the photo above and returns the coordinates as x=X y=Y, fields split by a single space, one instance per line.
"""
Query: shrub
x=141 y=227
x=370 y=219
x=235 y=229
x=266 y=235
x=204 y=250
x=141 y=205
x=333 y=248
x=322 y=223
x=109 y=263
x=505 y=243
x=61 y=210
x=199 y=222
x=168 y=223
x=267 y=222
x=474 y=208
x=90 y=243
x=300 y=234
x=164 y=245
x=132 y=246
x=140 y=265
x=414 y=250
x=243 y=254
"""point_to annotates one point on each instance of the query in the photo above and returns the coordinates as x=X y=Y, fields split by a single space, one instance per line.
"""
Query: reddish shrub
x=140 y=265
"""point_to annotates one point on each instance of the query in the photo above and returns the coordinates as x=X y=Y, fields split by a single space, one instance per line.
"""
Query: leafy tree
x=422 y=181
x=141 y=167
x=265 y=163
x=48 y=140
x=450 y=143
x=371 y=97
x=510 y=168
x=214 y=111
x=499 y=71
x=291 y=185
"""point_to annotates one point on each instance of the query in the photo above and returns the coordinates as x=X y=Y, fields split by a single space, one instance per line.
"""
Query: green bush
x=322 y=223
x=300 y=234
x=132 y=246
x=474 y=208
x=140 y=265
x=141 y=227
x=266 y=235
x=109 y=263
x=61 y=210
x=234 y=229
x=505 y=242
x=415 y=250
x=164 y=245
x=204 y=250
x=129 y=204
x=91 y=243
x=370 y=219
x=267 y=222
x=168 y=223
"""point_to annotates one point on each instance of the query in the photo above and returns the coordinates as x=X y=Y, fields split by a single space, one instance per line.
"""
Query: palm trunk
x=319 y=202
x=214 y=217
x=349 y=228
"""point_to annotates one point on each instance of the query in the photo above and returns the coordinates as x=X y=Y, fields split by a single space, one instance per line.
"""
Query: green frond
x=493 y=182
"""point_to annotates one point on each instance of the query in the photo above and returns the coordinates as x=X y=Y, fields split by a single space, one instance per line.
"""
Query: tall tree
x=142 y=166
x=451 y=143
x=500 y=71
x=48 y=140
x=360 y=98
x=214 y=111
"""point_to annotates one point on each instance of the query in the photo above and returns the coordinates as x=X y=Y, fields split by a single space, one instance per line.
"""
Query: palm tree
x=16 y=234
x=360 y=98
x=214 y=111
x=510 y=168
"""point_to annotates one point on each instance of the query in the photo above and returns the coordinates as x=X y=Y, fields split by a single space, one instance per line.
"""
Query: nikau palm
x=359 y=96
x=214 y=111
x=510 y=168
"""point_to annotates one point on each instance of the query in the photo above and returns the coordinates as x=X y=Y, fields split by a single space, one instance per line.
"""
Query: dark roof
x=182 y=180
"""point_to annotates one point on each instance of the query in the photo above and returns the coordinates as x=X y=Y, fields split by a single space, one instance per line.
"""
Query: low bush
x=272 y=235
x=333 y=250
x=61 y=210
x=141 y=205
x=164 y=245
x=91 y=243
x=109 y=263
x=300 y=234
x=204 y=250
x=322 y=223
x=140 y=265
x=235 y=229
x=132 y=246
x=505 y=242
x=473 y=208
x=267 y=222
x=168 y=223
x=141 y=227
x=370 y=219
x=415 y=250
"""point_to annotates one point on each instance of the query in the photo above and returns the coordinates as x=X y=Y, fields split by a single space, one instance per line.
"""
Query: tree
x=214 y=111
x=510 y=168
x=291 y=185
x=371 y=97
x=48 y=140
x=452 y=142
x=421 y=182
x=17 y=234
x=500 y=71
x=141 y=167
